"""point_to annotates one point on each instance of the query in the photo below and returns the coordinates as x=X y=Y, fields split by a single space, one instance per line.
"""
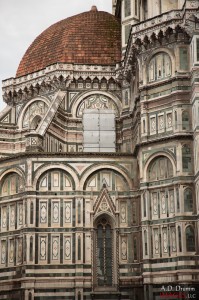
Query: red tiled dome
x=92 y=37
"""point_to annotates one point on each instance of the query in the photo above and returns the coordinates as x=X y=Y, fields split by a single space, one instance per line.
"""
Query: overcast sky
x=21 y=21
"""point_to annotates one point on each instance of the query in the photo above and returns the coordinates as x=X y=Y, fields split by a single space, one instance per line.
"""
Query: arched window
x=25 y=246
x=144 y=205
x=126 y=98
x=134 y=214
x=104 y=253
x=190 y=239
x=31 y=212
x=12 y=184
x=47 y=149
x=145 y=9
x=51 y=149
x=127 y=8
x=159 y=67
x=144 y=126
x=160 y=168
x=79 y=248
x=188 y=200
x=135 y=248
x=79 y=213
x=29 y=296
x=55 y=180
x=185 y=120
x=176 y=120
x=145 y=243
x=31 y=249
x=179 y=239
x=79 y=296
x=136 y=7
x=186 y=158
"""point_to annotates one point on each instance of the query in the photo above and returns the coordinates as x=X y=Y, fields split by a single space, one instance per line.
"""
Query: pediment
x=104 y=203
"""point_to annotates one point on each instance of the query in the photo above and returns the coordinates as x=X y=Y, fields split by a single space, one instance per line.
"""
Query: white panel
x=107 y=120
x=107 y=139
x=91 y=137
x=90 y=119
x=99 y=130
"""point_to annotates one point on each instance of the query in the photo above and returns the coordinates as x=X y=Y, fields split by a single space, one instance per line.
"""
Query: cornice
x=157 y=29
x=53 y=77
x=89 y=155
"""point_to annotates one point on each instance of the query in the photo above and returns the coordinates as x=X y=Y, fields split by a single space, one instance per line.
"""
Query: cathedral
x=99 y=158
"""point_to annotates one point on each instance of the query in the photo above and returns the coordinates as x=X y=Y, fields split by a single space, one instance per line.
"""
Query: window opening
x=104 y=253
x=31 y=212
x=127 y=8
x=31 y=248
x=79 y=248
x=145 y=243
x=179 y=239
x=188 y=200
x=190 y=240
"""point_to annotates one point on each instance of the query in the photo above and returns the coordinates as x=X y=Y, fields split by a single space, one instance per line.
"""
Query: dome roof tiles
x=92 y=37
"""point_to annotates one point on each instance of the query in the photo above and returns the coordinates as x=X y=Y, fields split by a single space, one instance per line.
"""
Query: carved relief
x=43 y=212
x=153 y=125
x=67 y=247
x=96 y=102
x=55 y=248
x=155 y=203
x=171 y=200
x=169 y=120
x=55 y=212
x=161 y=122
x=124 y=248
x=12 y=215
x=19 y=250
x=3 y=251
x=38 y=108
x=163 y=202
x=43 y=249
x=67 y=212
x=20 y=214
x=165 y=240
x=11 y=251
x=123 y=212
x=156 y=241
x=173 y=239
x=4 y=217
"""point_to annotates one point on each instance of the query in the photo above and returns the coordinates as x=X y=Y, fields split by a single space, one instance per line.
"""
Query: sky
x=21 y=21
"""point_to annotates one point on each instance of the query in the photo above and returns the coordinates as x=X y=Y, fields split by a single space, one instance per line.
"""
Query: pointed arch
x=104 y=205
x=12 y=181
x=105 y=258
x=190 y=239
